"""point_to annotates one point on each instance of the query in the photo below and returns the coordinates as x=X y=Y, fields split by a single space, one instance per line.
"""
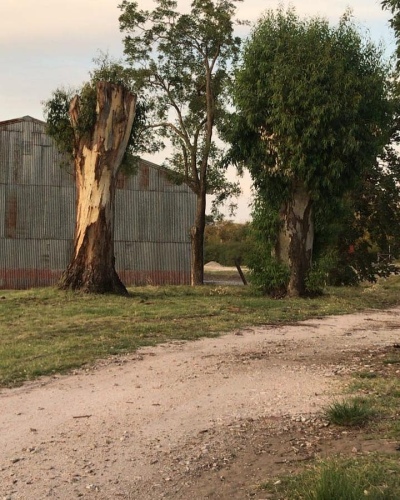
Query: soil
x=208 y=419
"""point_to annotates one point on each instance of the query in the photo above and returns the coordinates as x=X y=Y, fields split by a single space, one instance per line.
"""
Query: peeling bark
x=295 y=242
x=97 y=158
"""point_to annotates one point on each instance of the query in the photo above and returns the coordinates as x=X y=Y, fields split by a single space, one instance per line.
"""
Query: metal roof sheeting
x=37 y=206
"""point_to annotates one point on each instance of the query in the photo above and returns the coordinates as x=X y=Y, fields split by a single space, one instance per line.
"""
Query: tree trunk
x=97 y=157
x=296 y=237
x=197 y=241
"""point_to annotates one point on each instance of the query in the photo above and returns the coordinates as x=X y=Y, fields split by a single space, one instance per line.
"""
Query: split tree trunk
x=97 y=157
x=197 y=242
x=296 y=238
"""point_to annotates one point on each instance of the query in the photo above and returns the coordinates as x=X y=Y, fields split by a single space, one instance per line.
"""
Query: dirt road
x=183 y=420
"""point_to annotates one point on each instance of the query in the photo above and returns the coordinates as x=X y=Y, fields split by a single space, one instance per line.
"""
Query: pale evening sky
x=45 y=44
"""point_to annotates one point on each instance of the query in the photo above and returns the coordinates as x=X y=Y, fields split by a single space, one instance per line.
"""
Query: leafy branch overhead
x=63 y=131
x=181 y=64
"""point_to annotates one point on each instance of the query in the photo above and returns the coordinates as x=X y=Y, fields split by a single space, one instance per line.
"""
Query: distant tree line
x=227 y=242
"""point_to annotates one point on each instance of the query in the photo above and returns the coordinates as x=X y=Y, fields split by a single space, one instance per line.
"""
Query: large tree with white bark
x=95 y=127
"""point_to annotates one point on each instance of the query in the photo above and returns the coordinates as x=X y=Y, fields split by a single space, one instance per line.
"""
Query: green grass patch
x=383 y=395
x=368 y=375
x=371 y=477
x=45 y=331
x=392 y=361
x=355 y=412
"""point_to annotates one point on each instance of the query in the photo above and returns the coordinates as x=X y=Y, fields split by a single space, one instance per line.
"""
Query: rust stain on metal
x=11 y=217
x=27 y=278
x=19 y=279
x=144 y=178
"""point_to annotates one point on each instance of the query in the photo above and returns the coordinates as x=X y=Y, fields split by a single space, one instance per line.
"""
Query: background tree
x=95 y=127
x=180 y=64
x=362 y=226
x=394 y=7
x=313 y=112
x=228 y=242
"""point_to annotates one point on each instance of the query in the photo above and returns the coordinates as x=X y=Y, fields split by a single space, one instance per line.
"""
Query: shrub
x=269 y=276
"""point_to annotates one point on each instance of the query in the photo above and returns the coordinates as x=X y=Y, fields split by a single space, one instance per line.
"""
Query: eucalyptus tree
x=94 y=127
x=180 y=64
x=313 y=113
x=394 y=7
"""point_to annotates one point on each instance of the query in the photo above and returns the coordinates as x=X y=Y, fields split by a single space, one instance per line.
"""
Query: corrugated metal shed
x=37 y=215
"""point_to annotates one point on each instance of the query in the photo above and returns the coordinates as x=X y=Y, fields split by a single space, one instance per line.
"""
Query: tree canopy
x=313 y=112
x=61 y=129
x=180 y=65
x=394 y=7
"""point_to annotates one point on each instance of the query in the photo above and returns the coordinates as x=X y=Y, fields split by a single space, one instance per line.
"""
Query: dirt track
x=183 y=420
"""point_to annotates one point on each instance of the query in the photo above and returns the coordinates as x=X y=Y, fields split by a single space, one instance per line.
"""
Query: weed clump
x=355 y=412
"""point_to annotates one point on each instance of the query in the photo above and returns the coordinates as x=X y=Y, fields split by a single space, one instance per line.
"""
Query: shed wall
x=37 y=216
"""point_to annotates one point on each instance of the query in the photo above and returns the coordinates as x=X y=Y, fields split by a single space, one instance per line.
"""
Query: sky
x=45 y=44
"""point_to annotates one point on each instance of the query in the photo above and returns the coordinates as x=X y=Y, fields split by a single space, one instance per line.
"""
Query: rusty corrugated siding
x=37 y=207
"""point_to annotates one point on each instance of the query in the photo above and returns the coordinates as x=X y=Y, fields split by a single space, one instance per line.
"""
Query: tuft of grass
x=373 y=477
x=368 y=375
x=354 y=412
x=392 y=361
x=384 y=396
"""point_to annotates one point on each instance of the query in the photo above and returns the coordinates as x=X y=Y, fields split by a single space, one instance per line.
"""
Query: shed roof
x=26 y=118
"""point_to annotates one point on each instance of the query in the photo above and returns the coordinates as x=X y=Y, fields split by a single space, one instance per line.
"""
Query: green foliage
x=226 y=241
x=268 y=275
x=364 y=222
x=355 y=412
x=316 y=96
x=314 y=101
x=316 y=279
x=58 y=123
x=394 y=7
x=180 y=64
x=315 y=108
x=370 y=476
x=59 y=127
x=56 y=111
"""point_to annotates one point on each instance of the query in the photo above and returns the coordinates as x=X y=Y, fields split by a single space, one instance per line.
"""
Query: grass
x=374 y=477
x=354 y=412
x=46 y=331
x=370 y=475
x=383 y=394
